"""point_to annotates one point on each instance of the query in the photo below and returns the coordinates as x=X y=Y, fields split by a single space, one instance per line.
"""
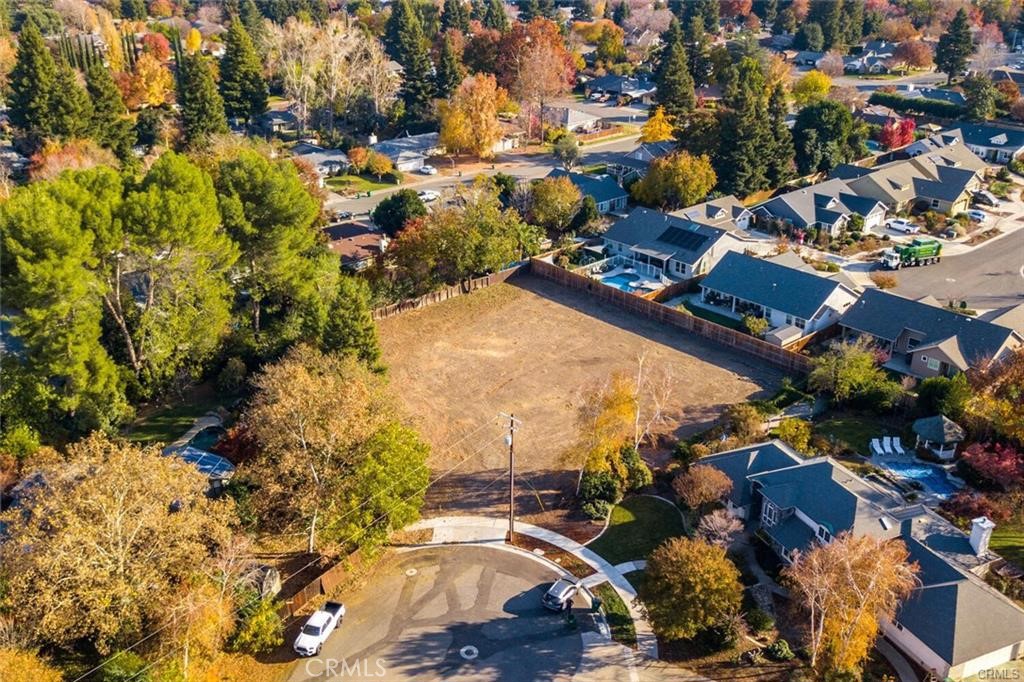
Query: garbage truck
x=921 y=251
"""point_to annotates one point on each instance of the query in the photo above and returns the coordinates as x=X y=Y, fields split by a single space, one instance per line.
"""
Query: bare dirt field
x=530 y=347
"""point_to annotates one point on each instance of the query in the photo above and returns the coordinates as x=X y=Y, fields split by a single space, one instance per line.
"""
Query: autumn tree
x=657 y=128
x=555 y=202
x=149 y=84
x=701 y=485
x=812 y=86
x=849 y=372
x=831 y=64
x=897 y=133
x=124 y=552
x=795 y=433
x=24 y=666
x=912 y=54
x=995 y=408
x=469 y=120
x=719 y=528
x=689 y=586
x=676 y=180
x=534 y=65
x=846 y=587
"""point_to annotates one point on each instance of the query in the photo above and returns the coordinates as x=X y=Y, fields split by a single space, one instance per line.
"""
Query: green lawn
x=1008 y=542
x=167 y=423
x=855 y=431
x=619 y=620
x=712 y=316
x=356 y=183
x=637 y=526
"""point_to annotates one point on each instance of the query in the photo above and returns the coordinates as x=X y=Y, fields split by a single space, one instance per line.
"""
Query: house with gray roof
x=827 y=206
x=925 y=340
x=608 y=194
x=409 y=152
x=991 y=142
x=725 y=213
x=952 y=625
x=680 y=248
x=624 y=88
x=326 y=162
x=795 y=302
x=573 y=120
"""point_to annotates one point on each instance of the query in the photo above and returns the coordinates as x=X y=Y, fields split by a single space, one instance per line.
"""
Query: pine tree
x=449 y=71
x=70 y=108
x=621 y=13
x=478 y=10
x=955 y=46
x=779 y=159
x=828 y=15
x=409 y=48
x=31 y=84
x=455 y=16
x=582 y=11
x=675 y=89
x=528 y=10
x=133 y=9
x=241 y=75
x=852 y=19
x=202 y=109
x=350 y=328
x=698 y=48
x=708 y=11
x=745 y=133
x=252 y=19
x=496 y=17
x=548 y=10
x=672 y=35
x=110 y=127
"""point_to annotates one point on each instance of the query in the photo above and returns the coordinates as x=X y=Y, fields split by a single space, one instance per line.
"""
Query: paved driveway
x=453 y=613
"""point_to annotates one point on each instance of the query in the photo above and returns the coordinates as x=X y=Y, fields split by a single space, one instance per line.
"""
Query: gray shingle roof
x=664 y=235
x=775 y=286
x=825 y=202
x=602 y=188
x=999 y=137
x=939 y=429
x=754 y=459
x=886 y=316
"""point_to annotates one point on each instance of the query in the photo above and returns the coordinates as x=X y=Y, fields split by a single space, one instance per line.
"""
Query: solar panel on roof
x=684 y=239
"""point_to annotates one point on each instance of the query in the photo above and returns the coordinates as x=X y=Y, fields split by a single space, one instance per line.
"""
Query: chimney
x=372 y=139
x=981 y=533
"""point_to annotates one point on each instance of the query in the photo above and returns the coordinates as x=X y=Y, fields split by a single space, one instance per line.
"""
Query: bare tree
x=719 y=528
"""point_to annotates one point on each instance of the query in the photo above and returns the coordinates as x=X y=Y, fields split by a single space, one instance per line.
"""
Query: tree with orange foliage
x=56 y=157
x=469 y=120
x=996 y=407
x=533 y=63
x=701 y=485
x=149 y=84
x=845 y=587
x=157 y=45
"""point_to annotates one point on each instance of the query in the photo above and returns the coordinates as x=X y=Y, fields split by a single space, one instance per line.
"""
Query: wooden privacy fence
x=321 y=585
x=453 y=291
x=790 y=362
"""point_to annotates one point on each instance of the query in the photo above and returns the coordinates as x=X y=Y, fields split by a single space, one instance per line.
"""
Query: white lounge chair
x=898 y=446
x=876 y=447
x=887 y=446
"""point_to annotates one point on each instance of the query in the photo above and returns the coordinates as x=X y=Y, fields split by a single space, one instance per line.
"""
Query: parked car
x=318 y=628
x=950 y=234
x=428 y=170
x=595 y=96
x=559 y=594
x=342 y=215
x=428 y=195
x=901 y=225
x=985 y=198
x=977 y=216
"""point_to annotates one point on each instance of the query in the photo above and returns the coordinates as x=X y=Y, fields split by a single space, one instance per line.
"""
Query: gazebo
x=939 y=434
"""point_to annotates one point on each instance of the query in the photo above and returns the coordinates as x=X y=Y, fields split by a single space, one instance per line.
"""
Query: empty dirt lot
x=529 y=347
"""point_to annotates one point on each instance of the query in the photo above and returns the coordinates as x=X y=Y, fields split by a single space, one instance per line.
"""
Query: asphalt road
x=991 y=276
x=453 y=613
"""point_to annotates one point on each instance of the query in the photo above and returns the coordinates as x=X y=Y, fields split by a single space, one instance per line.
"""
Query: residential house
x=326 y=162
x=874 y=58
x=357 y=243
x=643 y=38
x=608 y=195
x=912 y=91
x=726 y=213
x=634 y=164
x=573 y=120
x=1005 y=73
x=795 y=302
x=826 y=206
x=409 y=152
x=993 y=143
x=941 y=180
x=808 y=58
x=624 y=88
x=277 y=122
x=923 y=339
x=953 y=625
x=877 y=114
x=680 y=248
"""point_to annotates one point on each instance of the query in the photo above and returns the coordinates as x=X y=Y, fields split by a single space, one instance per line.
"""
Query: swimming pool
x=207 y=438
x=622 y=281
x=930 y=476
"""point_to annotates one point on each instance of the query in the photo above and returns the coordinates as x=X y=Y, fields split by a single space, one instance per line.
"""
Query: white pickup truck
x=318 y=628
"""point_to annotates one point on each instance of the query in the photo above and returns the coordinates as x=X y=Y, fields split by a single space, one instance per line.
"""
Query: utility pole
x=510 y=440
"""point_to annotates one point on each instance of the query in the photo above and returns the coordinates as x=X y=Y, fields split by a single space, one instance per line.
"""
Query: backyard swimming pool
x=624 y=281
x=932 y=477
x=207 y=438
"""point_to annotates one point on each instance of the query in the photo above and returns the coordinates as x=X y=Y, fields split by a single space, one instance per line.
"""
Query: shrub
x=232 y=376
x=779 y=651
x=125 y=666
x=884 y=280
x=596 y=509
x=719 y=637
x=755 y=326
x=965 y=506
x=638 y=474
x=599 y=485
x=796 y=433
x=1017 y=166
x=759 y=620
x=260 y=628
x=1002 y=174
x=745 y=421
x=685 y=454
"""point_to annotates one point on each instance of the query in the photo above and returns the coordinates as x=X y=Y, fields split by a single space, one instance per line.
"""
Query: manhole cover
x=469 y=652
x=411 y=572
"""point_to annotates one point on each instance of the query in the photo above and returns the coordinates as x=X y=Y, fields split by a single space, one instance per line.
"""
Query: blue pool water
x=207 y=438
x=622 y=281
x=931 y=477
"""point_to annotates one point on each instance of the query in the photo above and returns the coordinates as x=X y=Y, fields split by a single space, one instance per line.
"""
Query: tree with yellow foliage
x=25 y=666
x=469 y=120
x=676 y=180
x=845 y=587
x=658 y=128
x=150 y=84
x=813 y=86
x=193 y=41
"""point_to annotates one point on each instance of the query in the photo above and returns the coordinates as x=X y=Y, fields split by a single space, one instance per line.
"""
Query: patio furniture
x=898 y=446
x=876 y=447
x=887 y=446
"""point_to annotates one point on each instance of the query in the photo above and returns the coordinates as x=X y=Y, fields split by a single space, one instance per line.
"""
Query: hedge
x=922 y=105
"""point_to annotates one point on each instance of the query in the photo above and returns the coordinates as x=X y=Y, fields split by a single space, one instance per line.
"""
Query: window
x=769 y=514
x=789 y=319
x=824 y=535
x=799 y=322
x=933 y=363
x=913 y=343
x=935 y=203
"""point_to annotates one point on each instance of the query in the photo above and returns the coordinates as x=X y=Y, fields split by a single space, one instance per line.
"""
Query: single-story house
x=326 y=162
x=939 y=434
x=357 y=243
x=1005 y=73
x=953 y=624
x=278 y=122
x=410 y=152
x=874 y=57
x=608 y=195
x=634 y=164
x=993 y=143
x=624 y=88
x=877 y=114
x=808 y=58
x=726 y=213
x=573 y=120
x=681 y=248
x=827 y=206
x=912 y=91
x=925 y=340
x=786 y=297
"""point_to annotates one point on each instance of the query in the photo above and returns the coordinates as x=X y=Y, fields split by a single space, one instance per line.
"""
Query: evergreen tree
x=698 y=48
x=981 y=98
x=409 y=48
x=809 y=37
x=109 y=125
x=528 y=10
x=455 y=16
x=478 y=10
x=32 y=85
x=745 y=133
x=350 y=328
x=133 y=9
x=607 y=10
x=548 y=10
x=828 y=15
x=708 y=11
x=955 y=46
x=449 y=71
x=675 y=89
x=252 y=19
x=779 y=158
x=767 y=10
x=202 y=109
x=672 y=35
x=852 y=19
x=241 y=76
x=496 y=17
x=70 y=108
x=582 y=10
x=621 y=13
